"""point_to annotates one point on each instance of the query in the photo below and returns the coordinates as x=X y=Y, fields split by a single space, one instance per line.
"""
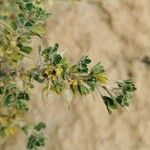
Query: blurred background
x=117 y=33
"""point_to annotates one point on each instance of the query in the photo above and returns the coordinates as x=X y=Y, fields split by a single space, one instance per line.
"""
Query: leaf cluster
x=120 y=95
x=35 y=136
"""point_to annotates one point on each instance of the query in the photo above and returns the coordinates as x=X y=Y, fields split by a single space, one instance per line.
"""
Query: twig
x=8 y=27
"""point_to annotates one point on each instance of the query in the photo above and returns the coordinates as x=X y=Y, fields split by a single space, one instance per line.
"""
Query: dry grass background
x=117 y=32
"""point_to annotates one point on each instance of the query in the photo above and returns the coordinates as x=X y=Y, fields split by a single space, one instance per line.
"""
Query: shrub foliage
x=20 y=22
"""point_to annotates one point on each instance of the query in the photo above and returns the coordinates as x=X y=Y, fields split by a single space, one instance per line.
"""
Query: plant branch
x=8 y=27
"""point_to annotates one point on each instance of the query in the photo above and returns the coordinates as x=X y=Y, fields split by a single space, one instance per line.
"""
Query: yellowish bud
x=74 y=82
x=10 y=131
x=102 y=78
x=58 y=71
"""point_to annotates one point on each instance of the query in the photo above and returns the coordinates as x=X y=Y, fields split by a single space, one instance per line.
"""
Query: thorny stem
x=106 y=89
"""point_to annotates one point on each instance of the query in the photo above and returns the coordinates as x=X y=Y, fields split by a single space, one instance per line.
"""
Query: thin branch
x=5 y=25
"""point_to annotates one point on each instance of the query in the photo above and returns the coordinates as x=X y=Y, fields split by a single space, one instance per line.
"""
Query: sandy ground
x=116 y=32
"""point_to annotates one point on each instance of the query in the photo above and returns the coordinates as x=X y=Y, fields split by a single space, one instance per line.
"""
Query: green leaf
x=21 y=18
x=50 y=54
x=25 y=49
x=124 y=100
x=1 y=90
x=127 y=87
x=84 y=89
x=36 y=75
x=29 y=24
x=23 y=96
x=55 y=48
x=91 y=81
x=56 y=59
x=14 y=25
x=57 y=86
x=29 y=6
x=92 y=86
x=8 y=99
x=110 y=104
x=21 y=106
x=97 y=69
x=35 y=141
x=83 y=70
x=25 y=129
x=48 y=51
x=82 y=66
x=40 y=126
x=2 y=130
x=86 y=60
